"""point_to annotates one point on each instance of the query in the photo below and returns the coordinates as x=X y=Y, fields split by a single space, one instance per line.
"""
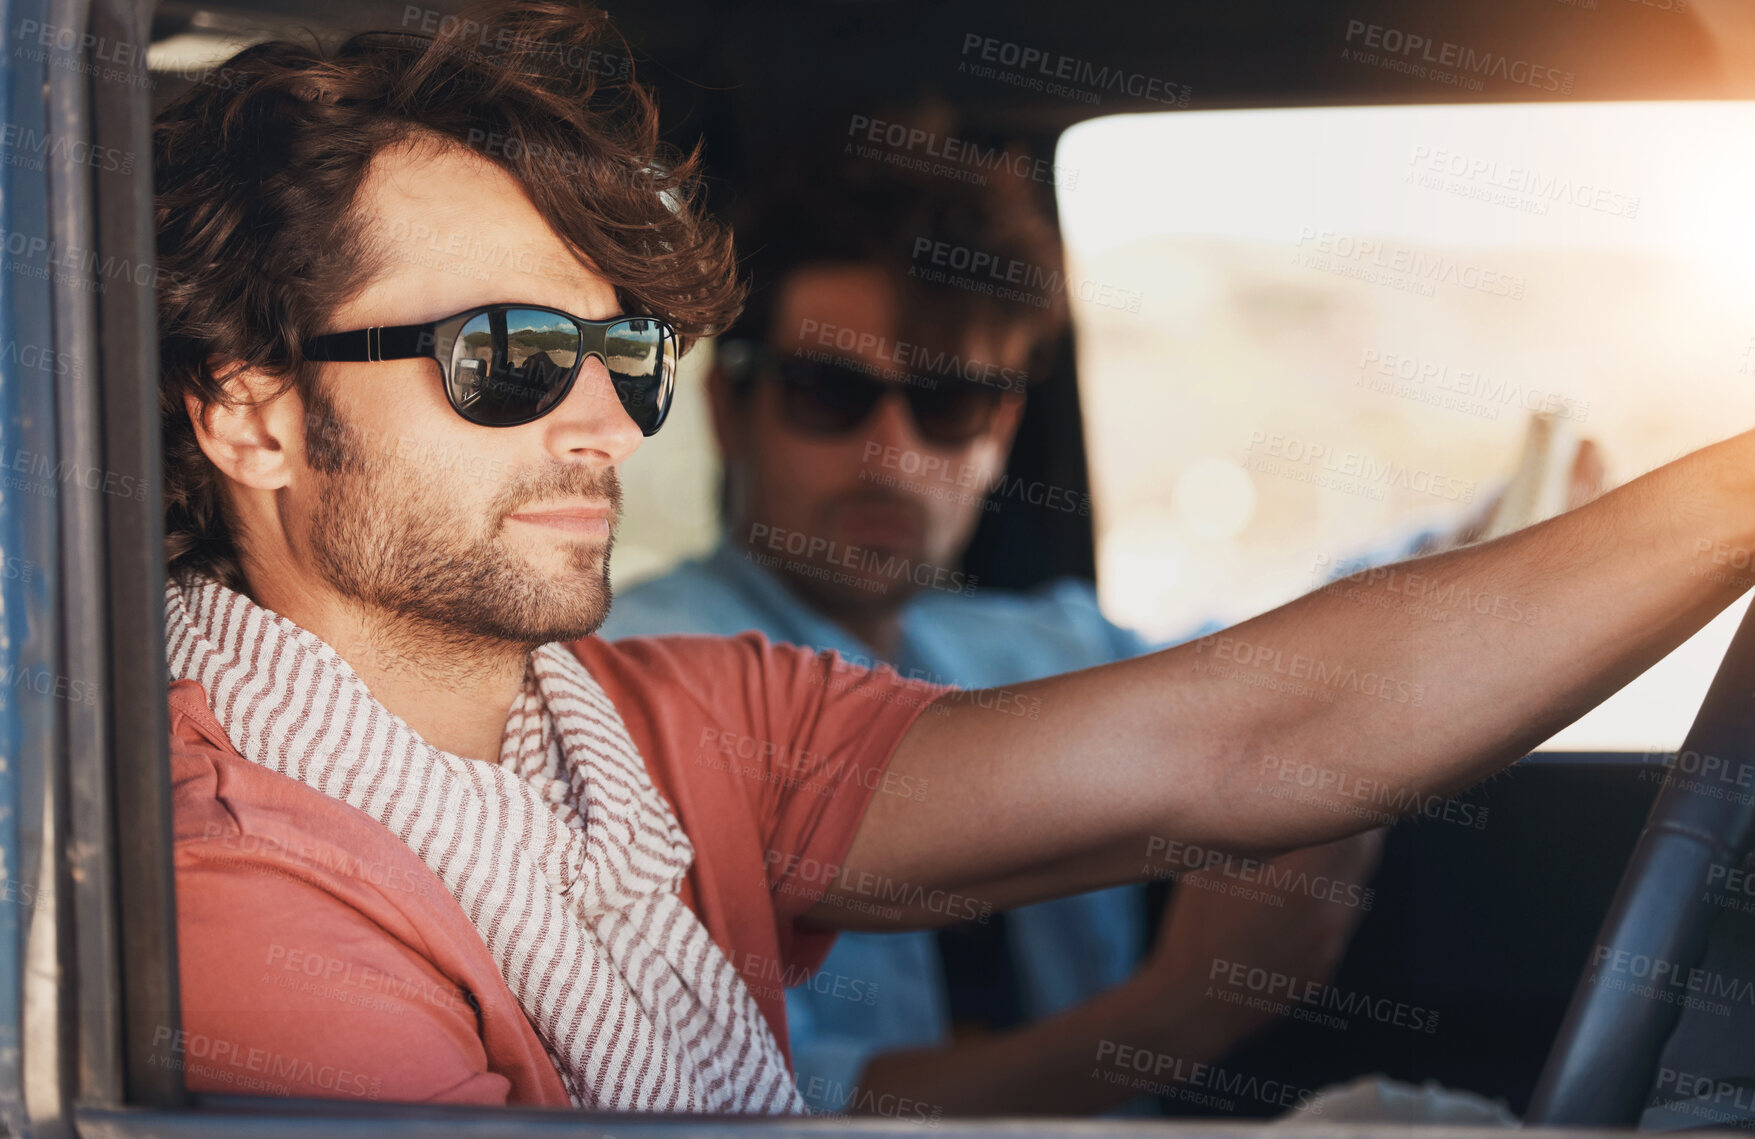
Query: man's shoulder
x=722 y=677
x=680 y=655
x=229 y=814
x=1054 y=627
x=1064 y=600
x=307 y=930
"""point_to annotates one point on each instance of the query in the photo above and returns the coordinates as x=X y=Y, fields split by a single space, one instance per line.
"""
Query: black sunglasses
x=831 y=395
x=508 y=364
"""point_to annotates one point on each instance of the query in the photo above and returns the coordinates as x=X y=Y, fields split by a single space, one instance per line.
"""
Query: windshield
x=1303 y=330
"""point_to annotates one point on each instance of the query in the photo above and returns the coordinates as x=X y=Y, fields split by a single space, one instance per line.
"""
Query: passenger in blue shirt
x=863 y=413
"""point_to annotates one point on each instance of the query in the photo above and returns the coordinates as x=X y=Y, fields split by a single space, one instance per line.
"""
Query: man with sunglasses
x=883 y=469
x=434 y=841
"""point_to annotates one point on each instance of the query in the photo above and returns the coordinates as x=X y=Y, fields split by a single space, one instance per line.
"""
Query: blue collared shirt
x=1065 y=951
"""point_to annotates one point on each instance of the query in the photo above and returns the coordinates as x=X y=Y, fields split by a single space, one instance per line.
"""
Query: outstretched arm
x=1308 y=722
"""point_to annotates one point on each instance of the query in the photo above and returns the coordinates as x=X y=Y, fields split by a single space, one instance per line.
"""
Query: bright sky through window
x=1339 y=323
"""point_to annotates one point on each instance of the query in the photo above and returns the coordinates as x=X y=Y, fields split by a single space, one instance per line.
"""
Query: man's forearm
x=1066 y=1064
x=1415 y=690
x=1431 y=675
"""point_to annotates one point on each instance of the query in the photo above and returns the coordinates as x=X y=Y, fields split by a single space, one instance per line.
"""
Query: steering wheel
x=1605 y=1058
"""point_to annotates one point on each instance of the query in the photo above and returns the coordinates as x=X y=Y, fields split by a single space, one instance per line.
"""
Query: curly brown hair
x=257 y=166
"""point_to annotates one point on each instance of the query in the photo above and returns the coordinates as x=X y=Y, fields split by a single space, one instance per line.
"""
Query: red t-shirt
x=320 y=957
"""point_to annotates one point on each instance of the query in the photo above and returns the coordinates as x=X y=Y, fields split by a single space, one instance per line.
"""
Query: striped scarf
x=564 y=856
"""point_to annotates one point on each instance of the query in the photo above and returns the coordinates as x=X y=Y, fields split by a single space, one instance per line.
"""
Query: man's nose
x=591 y=422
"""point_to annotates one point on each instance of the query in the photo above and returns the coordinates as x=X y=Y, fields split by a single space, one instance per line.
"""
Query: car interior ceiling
x=1495 y=943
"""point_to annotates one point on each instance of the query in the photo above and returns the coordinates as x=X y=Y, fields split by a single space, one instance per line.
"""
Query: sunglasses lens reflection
x=513 y=365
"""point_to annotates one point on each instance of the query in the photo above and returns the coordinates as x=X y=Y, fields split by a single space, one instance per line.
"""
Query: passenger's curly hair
x=256 y=169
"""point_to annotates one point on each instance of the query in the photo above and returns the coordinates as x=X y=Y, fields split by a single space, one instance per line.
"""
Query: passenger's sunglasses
x=831 y=396
x=508 y=364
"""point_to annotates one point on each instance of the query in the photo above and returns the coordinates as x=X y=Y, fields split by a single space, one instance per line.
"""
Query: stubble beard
x=388 y=535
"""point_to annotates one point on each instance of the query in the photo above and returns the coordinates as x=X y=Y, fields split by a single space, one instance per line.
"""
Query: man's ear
x=253 y=437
